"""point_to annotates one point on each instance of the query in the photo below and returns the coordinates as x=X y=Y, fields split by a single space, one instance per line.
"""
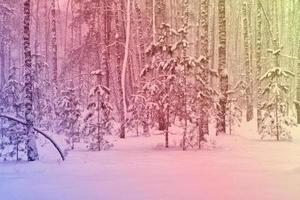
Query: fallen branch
x=37 y=130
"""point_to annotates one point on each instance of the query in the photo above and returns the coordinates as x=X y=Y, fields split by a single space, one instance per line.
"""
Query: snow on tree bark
x=32 y=152
x=205 y=53
x=258 y=65
x=119 y=70
x=249 y=105
x=184 y=55
x=107 y=21
x=54 y=41
x=298 y=73
x=2 y=76
x=125 y=61
x=221 y=121
x=145 y=123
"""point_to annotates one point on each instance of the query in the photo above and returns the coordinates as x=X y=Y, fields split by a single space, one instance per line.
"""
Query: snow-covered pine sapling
x=11 y=93
x=42 y=99
x=98 y=119
x=234 y=112
x=158 y=91
x=68 y=113
x=13 y=135
x=138 y=114
x=275 y=122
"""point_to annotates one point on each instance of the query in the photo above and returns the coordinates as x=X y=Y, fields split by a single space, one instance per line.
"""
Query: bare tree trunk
x=46 y=31
x=54 y=41
x=184 y=54
x=2 y=57
x=298 y=84
x=142 y=56
x=66 y=27
x=212 y=49
x=249 y=114
x=32 y=153
x=204 y=19
x=276 y=64
x=298 y=70
x=107 y=22
x=221 y=121
x=125 y=63
x=119 y=70
x=258 y=65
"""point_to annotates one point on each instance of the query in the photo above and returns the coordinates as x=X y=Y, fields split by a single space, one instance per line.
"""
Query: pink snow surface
x=241 y=167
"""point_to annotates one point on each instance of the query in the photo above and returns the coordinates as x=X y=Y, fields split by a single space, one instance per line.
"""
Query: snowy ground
x=239 y=168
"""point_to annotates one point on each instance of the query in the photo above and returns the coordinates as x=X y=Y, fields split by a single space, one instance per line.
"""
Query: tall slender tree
x=249 y=105
x=298 y=71
x=204 y=20
x=54 y=40
x=221 y=121
x=184 y=55
x=125 y=61
x=31 y=148
x=258 y=64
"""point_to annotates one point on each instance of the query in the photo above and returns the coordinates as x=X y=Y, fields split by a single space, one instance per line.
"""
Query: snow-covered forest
x=202 y=95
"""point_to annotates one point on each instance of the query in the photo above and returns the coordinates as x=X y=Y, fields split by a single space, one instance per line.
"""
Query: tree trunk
x=184 y=55
x=249 y=113
x=221 y=121
x=141 y=40
x=2 y=51
x=66 y=27
x=125 y=63
x=46 y=30
x=32 y=153
x=258 y=65
x=298 y=84
x=204 y=19
x=54 y=41
x=119 y=70
x=298 y=71
x=107 y=22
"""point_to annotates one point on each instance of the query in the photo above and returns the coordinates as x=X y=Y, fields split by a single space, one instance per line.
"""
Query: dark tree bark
x=221 y=121
x=107 y=26
x=2 y=58
x=119 y=70
x=258 y=65
x=54 y=40
x=298 y=71
x=204 y=19
x=249 y=113
x=32 y=153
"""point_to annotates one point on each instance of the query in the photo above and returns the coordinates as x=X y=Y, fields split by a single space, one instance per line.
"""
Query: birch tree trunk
x=298 y=70
x=145 y=123
x=107 y=21
x=221 y=121
x=204 y=19
x=119 y=70
x=184 y=55
x=249 y=112
x=32 y=153
x=298 y=84
x=125 y=62
x=46 y=30
x=66 y=27
x=2 y=57
x=54 y=41
x=258 y=65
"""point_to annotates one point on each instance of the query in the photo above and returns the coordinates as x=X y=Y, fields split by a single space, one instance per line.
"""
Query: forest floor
x=240 y=167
